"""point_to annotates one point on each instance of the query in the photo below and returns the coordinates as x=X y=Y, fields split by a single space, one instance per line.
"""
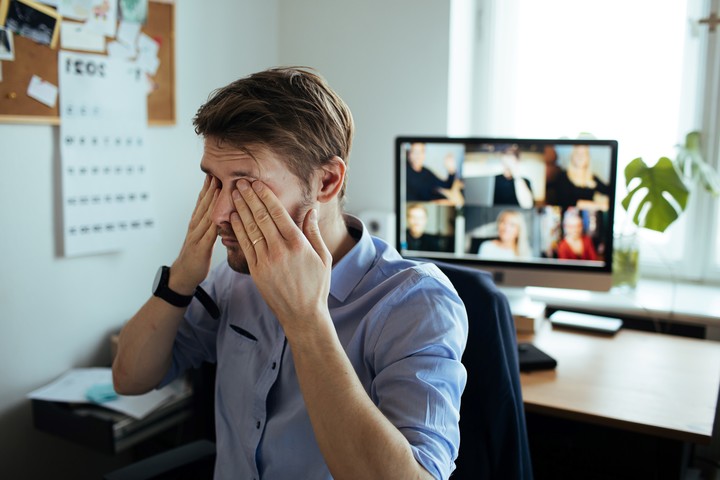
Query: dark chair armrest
x=166 y=462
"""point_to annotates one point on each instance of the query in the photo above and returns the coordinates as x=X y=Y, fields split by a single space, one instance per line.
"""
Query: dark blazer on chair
x=493 y=435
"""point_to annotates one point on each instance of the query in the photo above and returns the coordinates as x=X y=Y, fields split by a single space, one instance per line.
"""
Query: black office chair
x=192 y=461
x=493 y=434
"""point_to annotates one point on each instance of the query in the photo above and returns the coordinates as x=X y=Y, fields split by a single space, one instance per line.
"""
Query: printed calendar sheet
x=106 y=196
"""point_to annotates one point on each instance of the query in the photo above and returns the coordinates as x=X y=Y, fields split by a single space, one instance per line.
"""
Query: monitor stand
x=527 y=313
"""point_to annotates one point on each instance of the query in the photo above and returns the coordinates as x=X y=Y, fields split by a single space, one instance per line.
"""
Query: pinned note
x=75 y=36
x=42 y=91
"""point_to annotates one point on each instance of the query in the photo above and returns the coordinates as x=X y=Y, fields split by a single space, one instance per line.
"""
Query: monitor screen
x=533 y=212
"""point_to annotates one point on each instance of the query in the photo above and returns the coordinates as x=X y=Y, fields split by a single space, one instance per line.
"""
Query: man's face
x=417 y=220
x=416 y=156
x=509 y=161
x=229 y=164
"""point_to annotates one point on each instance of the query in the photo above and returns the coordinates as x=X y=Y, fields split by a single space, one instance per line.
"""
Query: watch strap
x=163 y=290
x=207 y=302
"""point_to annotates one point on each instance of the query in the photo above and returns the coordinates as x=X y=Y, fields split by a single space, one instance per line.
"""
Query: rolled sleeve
x=419 y=375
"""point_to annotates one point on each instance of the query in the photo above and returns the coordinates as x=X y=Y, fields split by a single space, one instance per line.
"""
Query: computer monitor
x=533 y=212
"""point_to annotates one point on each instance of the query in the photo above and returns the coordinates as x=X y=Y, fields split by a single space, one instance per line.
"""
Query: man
x=422 y=184
x=336 y=358
x=510 y=188
x=417 y=237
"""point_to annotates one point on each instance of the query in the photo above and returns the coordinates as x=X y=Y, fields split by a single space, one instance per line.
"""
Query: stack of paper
x=73 y=387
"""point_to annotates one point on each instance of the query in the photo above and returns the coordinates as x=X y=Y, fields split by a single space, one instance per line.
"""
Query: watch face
x=158 y=279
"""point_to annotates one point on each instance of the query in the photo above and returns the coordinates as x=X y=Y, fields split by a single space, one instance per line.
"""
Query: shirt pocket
x=242 y=333
x=238 y=355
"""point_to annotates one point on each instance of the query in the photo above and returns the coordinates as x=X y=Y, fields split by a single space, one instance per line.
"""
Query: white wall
x=388 y=60
x=57 y=313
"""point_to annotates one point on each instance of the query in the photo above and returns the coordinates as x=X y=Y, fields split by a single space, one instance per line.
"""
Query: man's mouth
x=228 y=238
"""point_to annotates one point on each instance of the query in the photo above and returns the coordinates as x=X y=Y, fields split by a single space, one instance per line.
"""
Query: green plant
x=658 y=195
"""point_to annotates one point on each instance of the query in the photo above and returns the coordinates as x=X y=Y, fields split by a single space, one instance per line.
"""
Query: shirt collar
x=348 y=272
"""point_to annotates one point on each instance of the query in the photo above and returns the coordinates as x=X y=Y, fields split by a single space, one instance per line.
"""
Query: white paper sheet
x=121 y=51
x=72 y=386
x=42 y=91
x=75 y=36
x=128 y=33
x=106 y=193
x=75 y=9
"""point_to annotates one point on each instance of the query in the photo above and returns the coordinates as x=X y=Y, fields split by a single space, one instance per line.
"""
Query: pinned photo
x=32 y=20
x=7 y=49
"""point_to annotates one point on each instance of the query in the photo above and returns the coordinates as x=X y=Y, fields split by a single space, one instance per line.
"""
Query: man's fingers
x=312 y=232
x=269 y=212
x=205 y=198
x=242 y=237
x=207 y=228
x=250 y=226
x=201 y=222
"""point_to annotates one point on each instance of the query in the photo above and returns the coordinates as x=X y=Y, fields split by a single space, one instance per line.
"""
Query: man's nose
x=224 y=206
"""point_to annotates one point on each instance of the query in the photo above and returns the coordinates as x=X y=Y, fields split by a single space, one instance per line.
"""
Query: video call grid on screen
x=507 y=201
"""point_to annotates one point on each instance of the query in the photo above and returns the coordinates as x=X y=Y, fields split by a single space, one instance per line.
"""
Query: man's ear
x=331 y=179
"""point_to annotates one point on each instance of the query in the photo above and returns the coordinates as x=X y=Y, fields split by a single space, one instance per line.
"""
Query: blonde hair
x=522 y=245
x=581 y=176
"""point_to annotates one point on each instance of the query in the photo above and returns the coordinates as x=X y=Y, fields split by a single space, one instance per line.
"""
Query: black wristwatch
x=162 y=290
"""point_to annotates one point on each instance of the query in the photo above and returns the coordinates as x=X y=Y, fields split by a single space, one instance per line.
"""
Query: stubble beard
x=237 y=261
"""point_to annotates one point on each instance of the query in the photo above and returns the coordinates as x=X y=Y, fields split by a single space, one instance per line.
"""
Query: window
x=643 y=72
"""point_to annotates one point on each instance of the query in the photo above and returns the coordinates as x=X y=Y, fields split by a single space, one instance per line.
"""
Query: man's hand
x=450 y=163
x=291 y=267
x=193 y=264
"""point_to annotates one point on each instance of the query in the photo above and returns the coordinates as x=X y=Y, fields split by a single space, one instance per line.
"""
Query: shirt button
x=257 y=425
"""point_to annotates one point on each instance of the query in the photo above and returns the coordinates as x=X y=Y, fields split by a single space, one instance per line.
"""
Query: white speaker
x=380 y=224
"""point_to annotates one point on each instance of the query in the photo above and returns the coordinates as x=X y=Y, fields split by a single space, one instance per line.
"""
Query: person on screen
x=422 y=184
x=578 y=186
x=512 y=242
x=510 y=187
x=552 y=172
x=575 y=244
x=336 y=357
x=417 y=237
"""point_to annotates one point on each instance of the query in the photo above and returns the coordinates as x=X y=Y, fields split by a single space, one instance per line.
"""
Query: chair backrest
x=493 y=434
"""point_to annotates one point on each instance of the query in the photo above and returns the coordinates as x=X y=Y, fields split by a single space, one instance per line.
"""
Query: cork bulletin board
x=35 y=59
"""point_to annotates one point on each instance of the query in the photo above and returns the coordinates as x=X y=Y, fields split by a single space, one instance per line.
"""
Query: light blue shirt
x=403 y=327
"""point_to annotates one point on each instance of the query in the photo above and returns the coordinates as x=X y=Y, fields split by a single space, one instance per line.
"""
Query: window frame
x=698 y=230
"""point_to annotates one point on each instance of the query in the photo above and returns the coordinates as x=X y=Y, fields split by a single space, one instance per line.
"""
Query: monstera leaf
x=692 y=165
x=657 y=194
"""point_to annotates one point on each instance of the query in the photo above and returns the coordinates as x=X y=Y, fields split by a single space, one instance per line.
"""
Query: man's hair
x=291 y=111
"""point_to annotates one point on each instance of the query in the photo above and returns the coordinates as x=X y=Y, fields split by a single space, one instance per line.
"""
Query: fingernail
x=235 y=194
x=257 y=186
x=313 y=215
x=242 y=184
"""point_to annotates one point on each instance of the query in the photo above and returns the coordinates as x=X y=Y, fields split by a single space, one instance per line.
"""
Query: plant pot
x=625 y=261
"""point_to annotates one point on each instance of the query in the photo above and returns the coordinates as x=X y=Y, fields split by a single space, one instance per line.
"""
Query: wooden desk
x=622 y=407
x=648 y=383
